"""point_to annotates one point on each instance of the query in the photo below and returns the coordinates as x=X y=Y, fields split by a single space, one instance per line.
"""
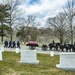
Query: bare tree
x=14 y=13
x=26 y=27
x=34 y=33
x=58 y=25
x=70 y=12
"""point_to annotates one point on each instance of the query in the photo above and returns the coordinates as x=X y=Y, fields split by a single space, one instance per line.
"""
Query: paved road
x=39 y=50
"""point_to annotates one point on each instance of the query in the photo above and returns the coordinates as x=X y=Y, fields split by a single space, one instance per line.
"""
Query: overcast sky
x=42 y=9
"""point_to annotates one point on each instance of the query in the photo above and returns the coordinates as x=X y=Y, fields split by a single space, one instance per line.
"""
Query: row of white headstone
x=67 y=59
x=27 y=56
x=2 y=50
x=17 y=50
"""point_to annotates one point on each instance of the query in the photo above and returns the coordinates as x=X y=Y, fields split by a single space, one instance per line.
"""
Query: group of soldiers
x=11 y=44
x=59 y=47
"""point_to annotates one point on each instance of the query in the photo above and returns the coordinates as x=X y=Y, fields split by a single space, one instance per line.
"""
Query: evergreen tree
x=3 y=20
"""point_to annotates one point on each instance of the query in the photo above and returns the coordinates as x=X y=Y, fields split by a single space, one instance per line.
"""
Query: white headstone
x=0 y=55
x=17 y=50
x=2 y=49
x=67 y=61
x=29 y=56
x=52 y=53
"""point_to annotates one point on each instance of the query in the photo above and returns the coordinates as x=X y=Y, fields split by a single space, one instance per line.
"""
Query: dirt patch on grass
x=11 y=72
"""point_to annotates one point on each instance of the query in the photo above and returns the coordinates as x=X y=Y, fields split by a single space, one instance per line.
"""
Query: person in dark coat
x=10 y=44
x=6 y=44
x=18 y=44
x=14 y=44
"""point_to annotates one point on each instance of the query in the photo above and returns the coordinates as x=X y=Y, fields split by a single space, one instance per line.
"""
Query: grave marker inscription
x=29 y=56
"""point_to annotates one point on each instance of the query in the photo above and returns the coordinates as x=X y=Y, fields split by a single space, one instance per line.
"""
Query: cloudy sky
x=42 y=9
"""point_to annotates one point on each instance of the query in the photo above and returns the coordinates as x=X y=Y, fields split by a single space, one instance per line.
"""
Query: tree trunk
x=11 y=32
x=2 y=35
x=11 y=36
x=61 y=39
x=71 y=37
x=71 y=31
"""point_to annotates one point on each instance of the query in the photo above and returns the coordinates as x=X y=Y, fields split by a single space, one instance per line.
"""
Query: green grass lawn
x=47 y=65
